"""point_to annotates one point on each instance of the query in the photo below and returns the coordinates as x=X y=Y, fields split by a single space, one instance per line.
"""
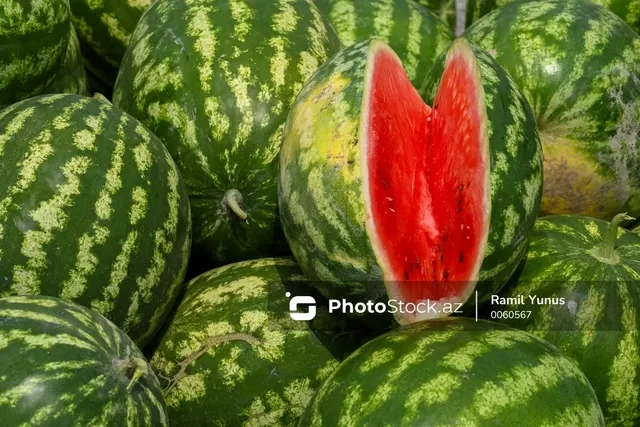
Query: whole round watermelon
x=66 y=365
x=92 y=210
x=416 y=34
x=579 y=284
x=578 y=64
x=384 y=197
x=214 y=80
x=34 y=36
x=233 y=356
x=455 y=372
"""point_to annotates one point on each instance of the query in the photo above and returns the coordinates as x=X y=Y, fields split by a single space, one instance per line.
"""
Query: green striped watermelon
x=233 y=356
x=445 y=9
x=66 y=365
x=92 y=209
x=34 y=36
x=628 y=10
x=382 y=196
x=414 y=33
x=214 y=79
x=579 y=66
x=104 y=28
x=579 y=281
x=71 y=78
x=455 y=372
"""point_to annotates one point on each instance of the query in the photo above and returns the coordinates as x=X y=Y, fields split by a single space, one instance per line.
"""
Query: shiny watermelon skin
x=596 y=323
x=627 y=10
x=71 y=367
x=92 y=210
x=232 y=355
x=34 y=36
x=455 y=372
x=588 y=115
x=219 y=105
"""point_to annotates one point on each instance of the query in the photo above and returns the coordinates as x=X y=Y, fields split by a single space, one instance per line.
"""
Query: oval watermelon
x=34 y=36
x=416 y=34
x=92 y=209
x=578 y=64
x=579 y=281
x=65 y=365
x=382 y=196
x=71 y=78
x=214 y=79
x=233 y=356
x=455 y=372
x=104 y=28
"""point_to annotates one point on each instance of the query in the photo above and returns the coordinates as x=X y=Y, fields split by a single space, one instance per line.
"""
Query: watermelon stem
x=232 y=200
x=605 y=252
x=204 y=347
x=135 y=364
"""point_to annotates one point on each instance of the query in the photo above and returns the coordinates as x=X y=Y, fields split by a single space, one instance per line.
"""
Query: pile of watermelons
x=319 y=213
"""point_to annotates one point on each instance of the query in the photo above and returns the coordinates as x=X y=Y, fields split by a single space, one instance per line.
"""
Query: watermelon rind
x=233 y=355
x=92 y=209
x=455 y=371
x=66 y=365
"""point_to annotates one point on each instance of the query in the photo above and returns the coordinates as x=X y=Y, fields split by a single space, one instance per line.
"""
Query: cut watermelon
x=429 y=243
x=365 y=159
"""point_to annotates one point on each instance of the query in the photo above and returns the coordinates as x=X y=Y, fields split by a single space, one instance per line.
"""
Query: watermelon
x=70 y=366
x=71 y=78
x=382 y=196
x=417 y=35
x=445 y=9
x=232 y=354
x=92 y=210
x=628 y=10
x=455 y=371
x=214 y=80
x=104 y=28
x=579 y=66
x=579 y=284
x=34 y=36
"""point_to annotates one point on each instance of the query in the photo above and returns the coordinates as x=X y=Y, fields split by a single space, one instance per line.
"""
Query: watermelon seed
x=445 y=274
x=406 y=275
x=441 y=257
x=461 y=257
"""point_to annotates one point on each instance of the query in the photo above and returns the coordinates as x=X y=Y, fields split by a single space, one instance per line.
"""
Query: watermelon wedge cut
x=384 y=196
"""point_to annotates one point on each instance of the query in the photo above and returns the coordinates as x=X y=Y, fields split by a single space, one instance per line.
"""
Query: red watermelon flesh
x=427 y=181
